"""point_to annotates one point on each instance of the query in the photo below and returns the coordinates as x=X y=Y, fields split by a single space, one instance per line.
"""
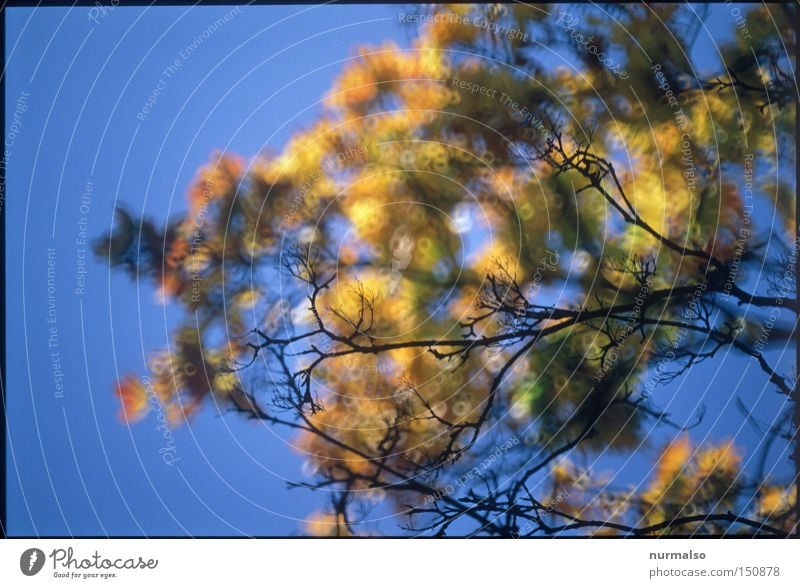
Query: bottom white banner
x=336 y=563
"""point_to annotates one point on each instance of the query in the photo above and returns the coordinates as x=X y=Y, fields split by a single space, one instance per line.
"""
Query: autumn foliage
x=428 y=272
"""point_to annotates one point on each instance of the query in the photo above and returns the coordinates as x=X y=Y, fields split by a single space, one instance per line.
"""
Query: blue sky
x=81 y=150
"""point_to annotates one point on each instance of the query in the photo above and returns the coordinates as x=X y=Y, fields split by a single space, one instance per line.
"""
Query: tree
x=472 y=275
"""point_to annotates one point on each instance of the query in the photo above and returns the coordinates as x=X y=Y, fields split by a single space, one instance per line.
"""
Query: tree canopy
x=468 y=280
